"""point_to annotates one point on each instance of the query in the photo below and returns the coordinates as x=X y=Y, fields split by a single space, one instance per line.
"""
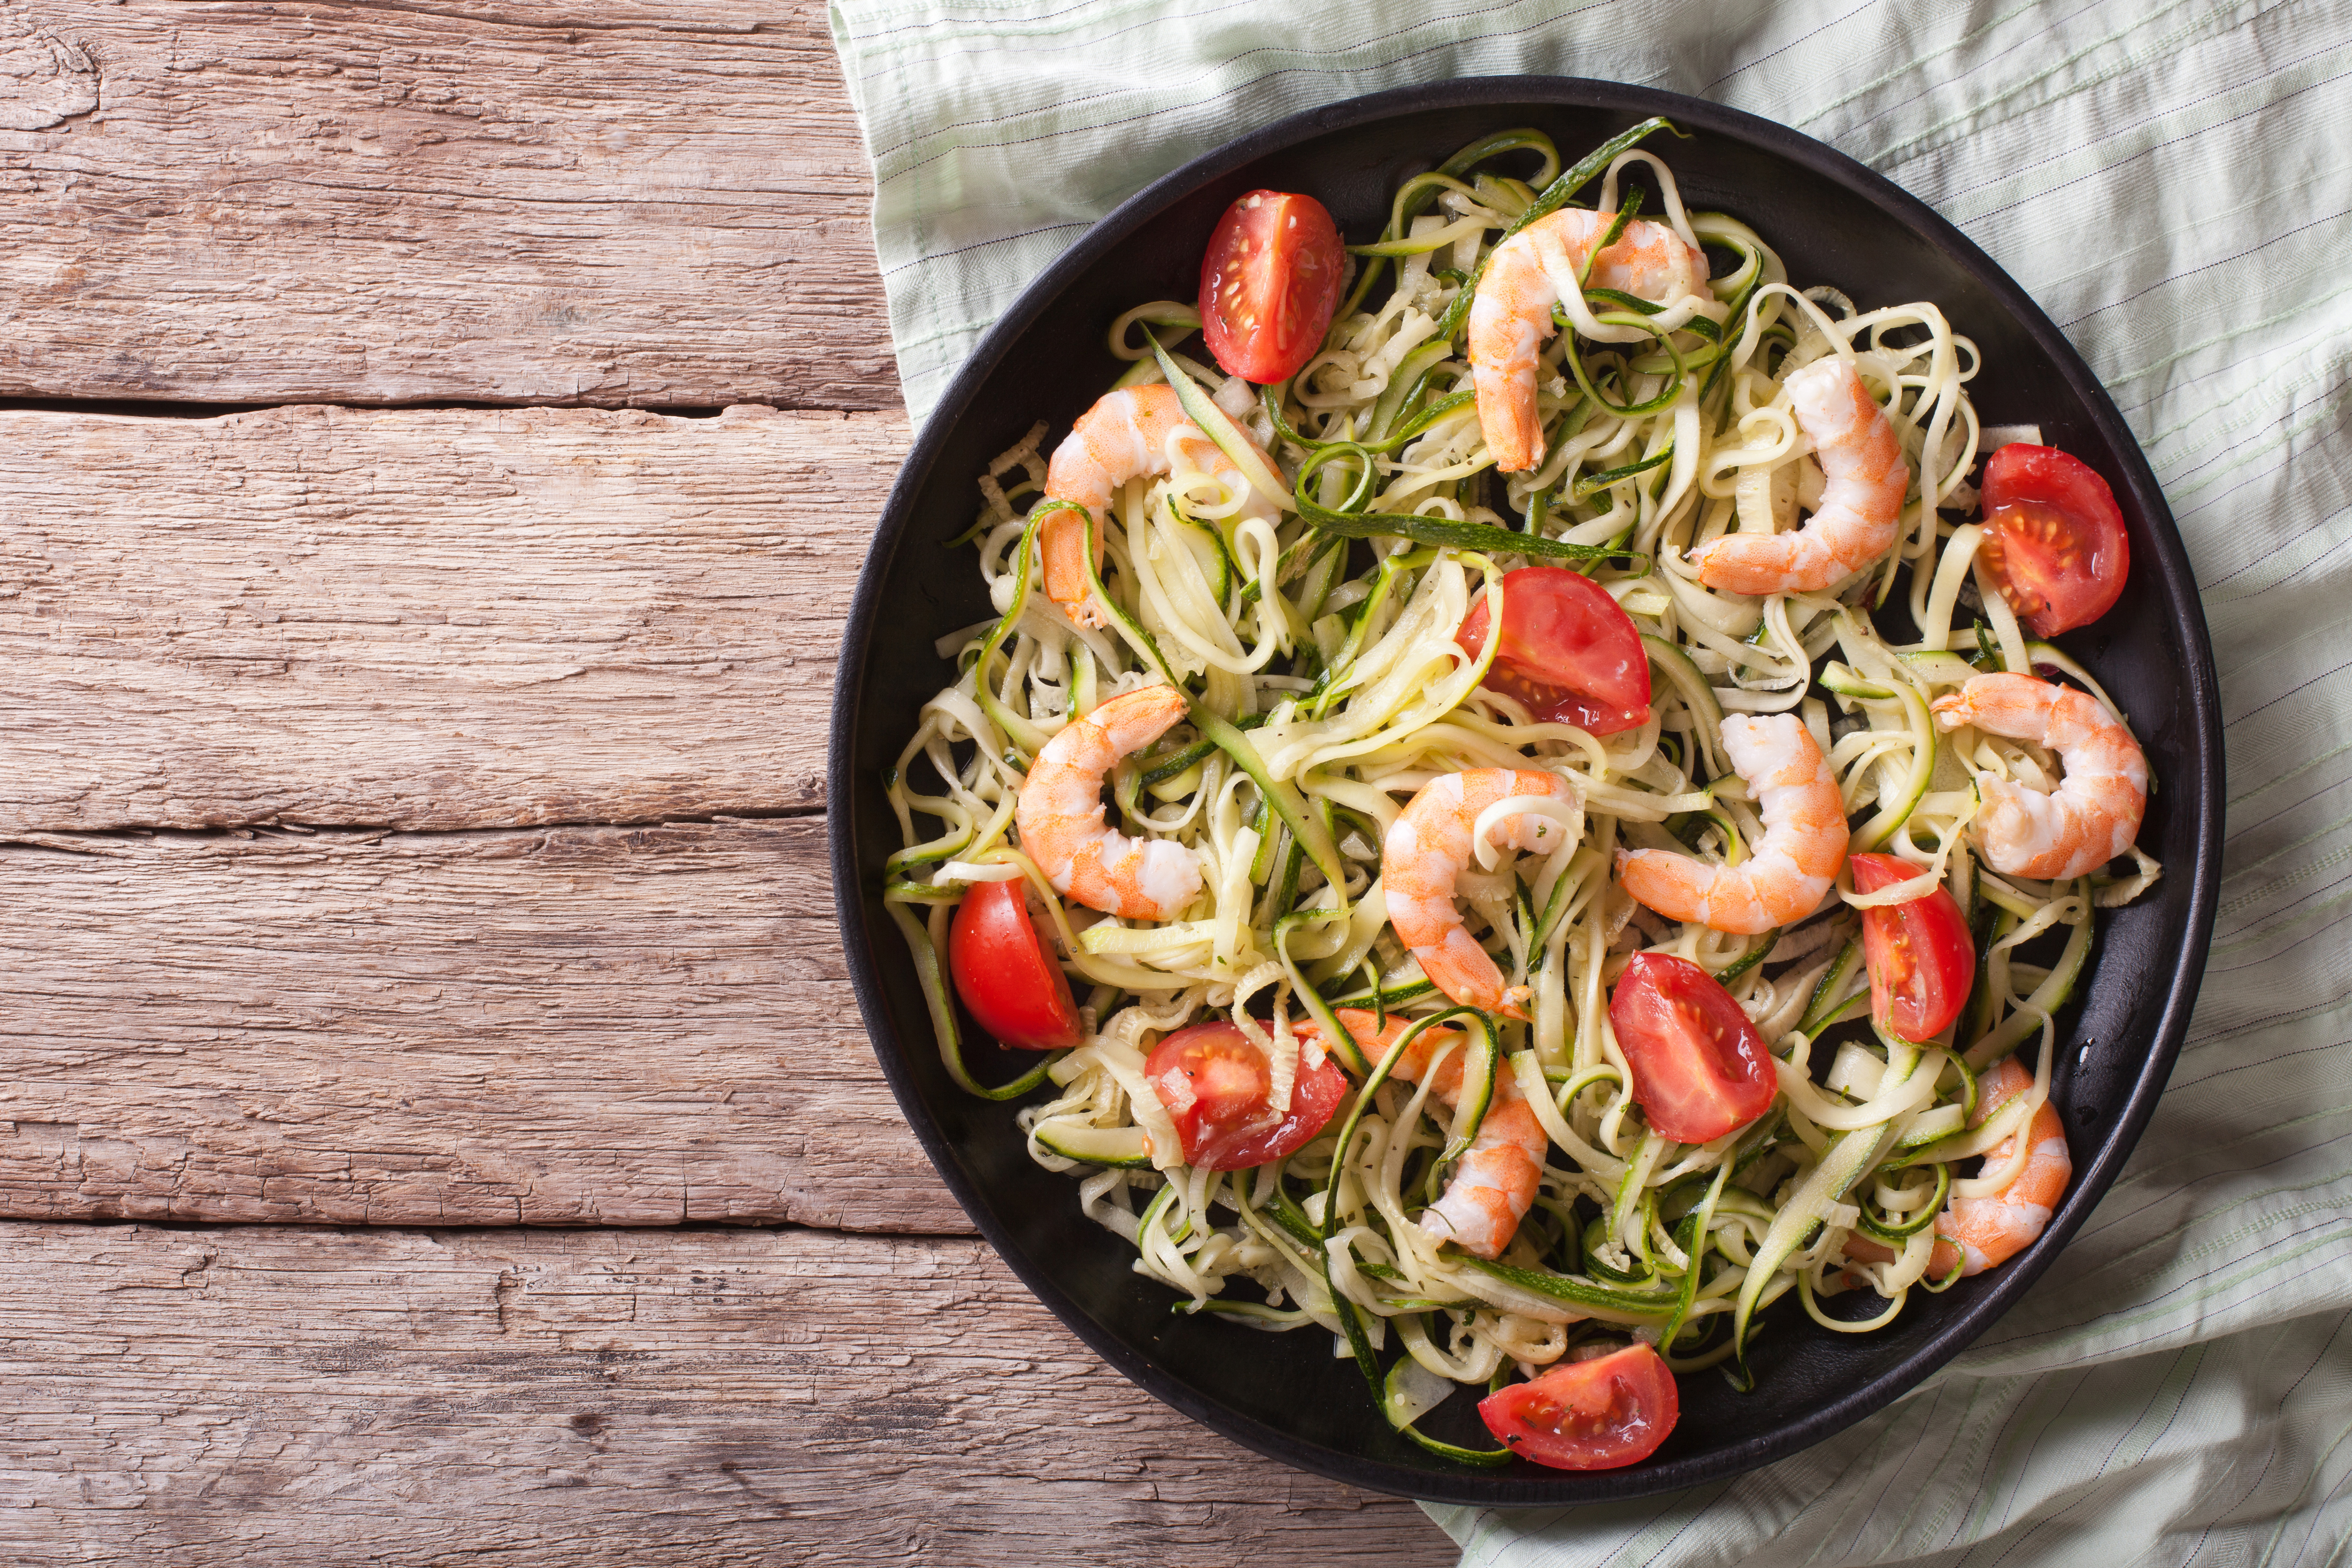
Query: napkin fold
x=2172 y=180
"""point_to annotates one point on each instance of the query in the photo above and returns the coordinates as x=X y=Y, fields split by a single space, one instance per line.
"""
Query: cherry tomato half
x=1700 y=1068
x=2054 y=538
x=1000 y=970
x=1921 y=961
x=1214 y=1080
x=1569 y=653
x=1597 y=1415
x=1269 y=283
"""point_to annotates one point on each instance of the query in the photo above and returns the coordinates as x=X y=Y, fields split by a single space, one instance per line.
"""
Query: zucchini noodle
x=1325 y=685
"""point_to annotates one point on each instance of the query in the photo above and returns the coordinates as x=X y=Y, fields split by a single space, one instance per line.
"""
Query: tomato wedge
x=2053 y=538
x=1700 y=1068
x=1269 y=283
x=1001 y=970
x=1599 y=1414
x=1214 y=1080
x=1922 y=964
x=1569 y=654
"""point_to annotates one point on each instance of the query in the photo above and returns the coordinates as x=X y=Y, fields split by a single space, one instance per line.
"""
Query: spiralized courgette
x=1327 y=686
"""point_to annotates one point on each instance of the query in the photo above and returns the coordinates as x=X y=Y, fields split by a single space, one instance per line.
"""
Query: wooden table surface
x=438 y=444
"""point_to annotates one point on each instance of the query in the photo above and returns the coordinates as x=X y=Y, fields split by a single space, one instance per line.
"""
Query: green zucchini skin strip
x=1930 y=1213
x=1596 y=1233
x=1258 y=1310
x=1198 y=752
x=1108 y=1149
x=1626 y=212
x=1027 y=558
x=1755 y=956
x=943 y=1019
x=2049 y=996
x=1219 y=426
x=1304 y=825
x=1823 y=1009
x=1403 y=385
x=1592 y=483
x=1145 y=646
x=1692 y=1238
x=1659 y=1305
x=1482 y=537
x=1553 y=197
x=1673 y=387
x=983 y=693
x=1470 y=1113
x=1340 y=1039
x=1848 y=1158
x=1489 y=1458
x=1881 y=827
x=1391 y=1397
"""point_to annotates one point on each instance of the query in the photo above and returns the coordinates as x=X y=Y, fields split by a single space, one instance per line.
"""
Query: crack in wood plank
x=44 y=80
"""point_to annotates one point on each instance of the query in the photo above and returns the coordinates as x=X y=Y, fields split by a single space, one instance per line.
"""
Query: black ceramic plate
x=1833 y=222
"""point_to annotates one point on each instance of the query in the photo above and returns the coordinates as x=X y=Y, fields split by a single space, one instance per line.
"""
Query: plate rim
x=2203 y=792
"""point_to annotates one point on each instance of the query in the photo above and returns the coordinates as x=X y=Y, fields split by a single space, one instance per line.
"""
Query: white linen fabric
x=2172 y=180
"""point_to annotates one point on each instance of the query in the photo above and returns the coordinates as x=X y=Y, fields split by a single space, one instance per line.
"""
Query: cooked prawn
x=1787 y=869
x=1426 y=852
x=1527 y=274
x=1988 y=1231
x=1862 y=502
x=1495 y=1182
x=2095 y=813
x=1060 y=813
x=1985 y=1232
x=1124 y=435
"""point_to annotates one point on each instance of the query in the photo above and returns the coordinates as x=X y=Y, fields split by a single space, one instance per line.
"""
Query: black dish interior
x=1832 y=222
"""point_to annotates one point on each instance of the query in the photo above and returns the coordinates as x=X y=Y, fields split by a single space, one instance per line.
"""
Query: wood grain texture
x=385 y=203
x=565 y=1026
x=302 y=1397
x=425 y=619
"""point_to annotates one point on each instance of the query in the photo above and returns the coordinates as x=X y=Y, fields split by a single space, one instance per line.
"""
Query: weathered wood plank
x=276 y=201
x=567 y=1026
x=600 y=1398
x=425 y=619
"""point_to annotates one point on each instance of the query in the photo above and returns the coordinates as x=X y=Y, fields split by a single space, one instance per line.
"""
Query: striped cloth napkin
x=2172 y=180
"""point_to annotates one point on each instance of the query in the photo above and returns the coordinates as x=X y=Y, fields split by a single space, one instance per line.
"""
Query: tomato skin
x=1569 y=653
x=1000 y=970
x=1700 y=1068
x=1269 y=284
x=1214 y=1080
x=1599 y=1414
x=2053 y=538
x=1922 y=962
